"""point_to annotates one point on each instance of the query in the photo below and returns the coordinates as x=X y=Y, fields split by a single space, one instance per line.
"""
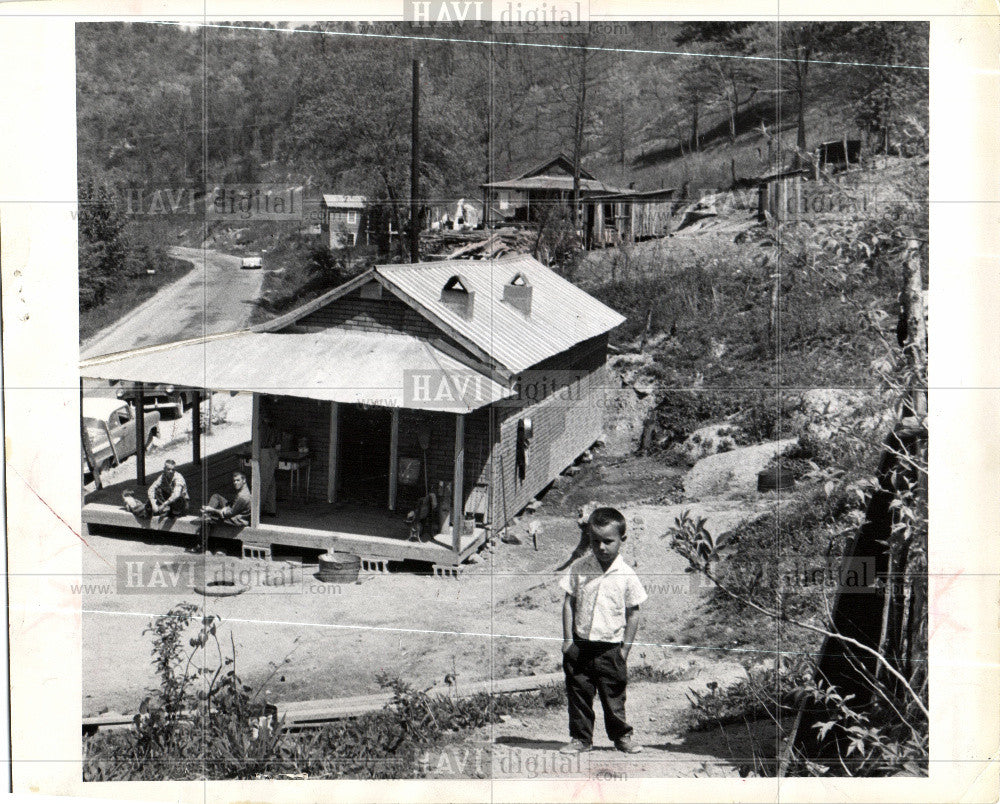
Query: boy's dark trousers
x=600 y=667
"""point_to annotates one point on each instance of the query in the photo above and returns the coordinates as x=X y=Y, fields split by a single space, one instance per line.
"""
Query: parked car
x=110 y=426
x=250 y=262
x=164 y=398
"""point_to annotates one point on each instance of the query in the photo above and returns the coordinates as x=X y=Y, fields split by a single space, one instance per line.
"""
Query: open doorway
x=365 y=435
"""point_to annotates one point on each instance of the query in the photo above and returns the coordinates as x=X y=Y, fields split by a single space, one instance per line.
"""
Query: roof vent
x=457 y=297
x=517 y=293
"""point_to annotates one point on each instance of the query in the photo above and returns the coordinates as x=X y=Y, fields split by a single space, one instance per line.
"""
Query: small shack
x=629 y=216
x=479 y=381
x=839 y=154
x=343 y=220
x=531 y=196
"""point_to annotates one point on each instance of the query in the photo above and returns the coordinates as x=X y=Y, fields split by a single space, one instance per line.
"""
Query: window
x=352 y=216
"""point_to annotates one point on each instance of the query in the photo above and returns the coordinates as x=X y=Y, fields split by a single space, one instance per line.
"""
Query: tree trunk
x=915 y=344
x=801 y=77
x=578 y=129
x=695 y=145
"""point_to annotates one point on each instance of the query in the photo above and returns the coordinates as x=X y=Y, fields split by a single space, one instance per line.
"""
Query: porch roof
x=562 y=183
x=388 y=370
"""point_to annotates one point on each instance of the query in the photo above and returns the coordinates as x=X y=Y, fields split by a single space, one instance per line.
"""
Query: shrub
x=202 y=722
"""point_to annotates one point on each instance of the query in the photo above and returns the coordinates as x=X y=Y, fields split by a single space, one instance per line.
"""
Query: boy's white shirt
x=600 y=597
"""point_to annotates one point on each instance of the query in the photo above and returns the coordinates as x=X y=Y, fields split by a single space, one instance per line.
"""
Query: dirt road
x=216 y=296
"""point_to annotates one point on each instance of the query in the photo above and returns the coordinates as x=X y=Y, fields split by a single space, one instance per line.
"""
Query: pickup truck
x=110 y=426
x=163 y=398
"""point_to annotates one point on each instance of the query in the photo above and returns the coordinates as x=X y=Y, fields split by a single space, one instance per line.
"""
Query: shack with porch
x=531 y=196
x=475 y=381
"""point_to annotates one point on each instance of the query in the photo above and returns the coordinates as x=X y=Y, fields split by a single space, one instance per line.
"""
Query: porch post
x=255 y=463
x=196 y=427
x=332 y=454
x=88 y=451
x=457 y=512
x=393 y=458
x=140 y=434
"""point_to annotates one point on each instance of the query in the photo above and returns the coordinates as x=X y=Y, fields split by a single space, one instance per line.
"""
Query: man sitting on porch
x=168 y=496
x=236 y=512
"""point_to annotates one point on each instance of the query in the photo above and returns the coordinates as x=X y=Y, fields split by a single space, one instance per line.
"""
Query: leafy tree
x=103 y=243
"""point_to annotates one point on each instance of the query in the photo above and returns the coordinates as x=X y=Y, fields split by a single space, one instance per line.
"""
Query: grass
x=134 y=292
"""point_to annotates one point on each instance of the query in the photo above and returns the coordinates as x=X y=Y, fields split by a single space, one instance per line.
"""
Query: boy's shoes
x=575 y=747
x=626 y=746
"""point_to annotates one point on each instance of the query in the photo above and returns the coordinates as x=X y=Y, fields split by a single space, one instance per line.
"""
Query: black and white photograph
x=515 y=395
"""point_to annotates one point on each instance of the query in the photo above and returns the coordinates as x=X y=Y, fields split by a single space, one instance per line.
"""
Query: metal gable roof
x=562 y=315
x=344 y=201
x=339 y=365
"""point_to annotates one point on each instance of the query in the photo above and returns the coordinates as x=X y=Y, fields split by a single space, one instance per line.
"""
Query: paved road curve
x=216 y=296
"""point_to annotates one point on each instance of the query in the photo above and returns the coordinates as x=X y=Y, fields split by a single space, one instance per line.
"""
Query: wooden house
x=343 y=220
x=629 y=216
x=531 y=196
x=485 y=378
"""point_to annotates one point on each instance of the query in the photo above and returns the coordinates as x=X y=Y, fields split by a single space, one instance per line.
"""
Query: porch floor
x=365 y=530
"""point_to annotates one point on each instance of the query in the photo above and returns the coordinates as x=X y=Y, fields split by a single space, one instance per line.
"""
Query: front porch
x=364 y=529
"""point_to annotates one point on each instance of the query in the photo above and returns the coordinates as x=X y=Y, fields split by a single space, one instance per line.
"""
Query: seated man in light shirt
x=168 y=496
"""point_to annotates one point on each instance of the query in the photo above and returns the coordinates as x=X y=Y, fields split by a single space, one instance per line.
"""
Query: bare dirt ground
x=499 y=619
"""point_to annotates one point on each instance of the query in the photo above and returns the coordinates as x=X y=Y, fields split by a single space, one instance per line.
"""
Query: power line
x=550 y=45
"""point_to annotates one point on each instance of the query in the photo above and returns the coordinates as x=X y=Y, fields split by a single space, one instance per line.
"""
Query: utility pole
x=415 y=167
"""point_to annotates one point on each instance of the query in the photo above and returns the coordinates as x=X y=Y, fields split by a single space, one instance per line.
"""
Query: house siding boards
x=303 y=418
x=386 y=314
x=565 y=421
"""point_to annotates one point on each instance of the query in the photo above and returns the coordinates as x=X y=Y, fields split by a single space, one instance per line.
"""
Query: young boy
x=600 y=618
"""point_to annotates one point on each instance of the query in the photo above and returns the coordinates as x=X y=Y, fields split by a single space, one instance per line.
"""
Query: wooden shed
x=484 y=379
x=629 y=216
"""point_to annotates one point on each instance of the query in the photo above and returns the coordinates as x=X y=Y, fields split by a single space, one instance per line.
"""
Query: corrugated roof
x=625 y=195
x=335 y=364
x=348 y=201
x=562 y=314
x=553 y=183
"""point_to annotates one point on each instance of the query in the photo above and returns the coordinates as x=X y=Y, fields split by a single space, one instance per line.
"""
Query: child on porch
x=600 y=618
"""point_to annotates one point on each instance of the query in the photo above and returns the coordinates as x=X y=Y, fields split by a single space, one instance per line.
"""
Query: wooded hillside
x=328 y=105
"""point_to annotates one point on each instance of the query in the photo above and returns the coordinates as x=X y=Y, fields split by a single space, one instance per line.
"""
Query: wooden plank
x=457 y=506
x=393 y=458
x=363 y=545
x=88 y=449
x=255 y=462
x=323 y=709
x=333 y=453
x=106 y=514
x=140 y=435
x=196 y=428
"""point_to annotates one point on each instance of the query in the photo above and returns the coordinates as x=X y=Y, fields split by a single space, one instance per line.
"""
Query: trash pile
x=443 y=244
